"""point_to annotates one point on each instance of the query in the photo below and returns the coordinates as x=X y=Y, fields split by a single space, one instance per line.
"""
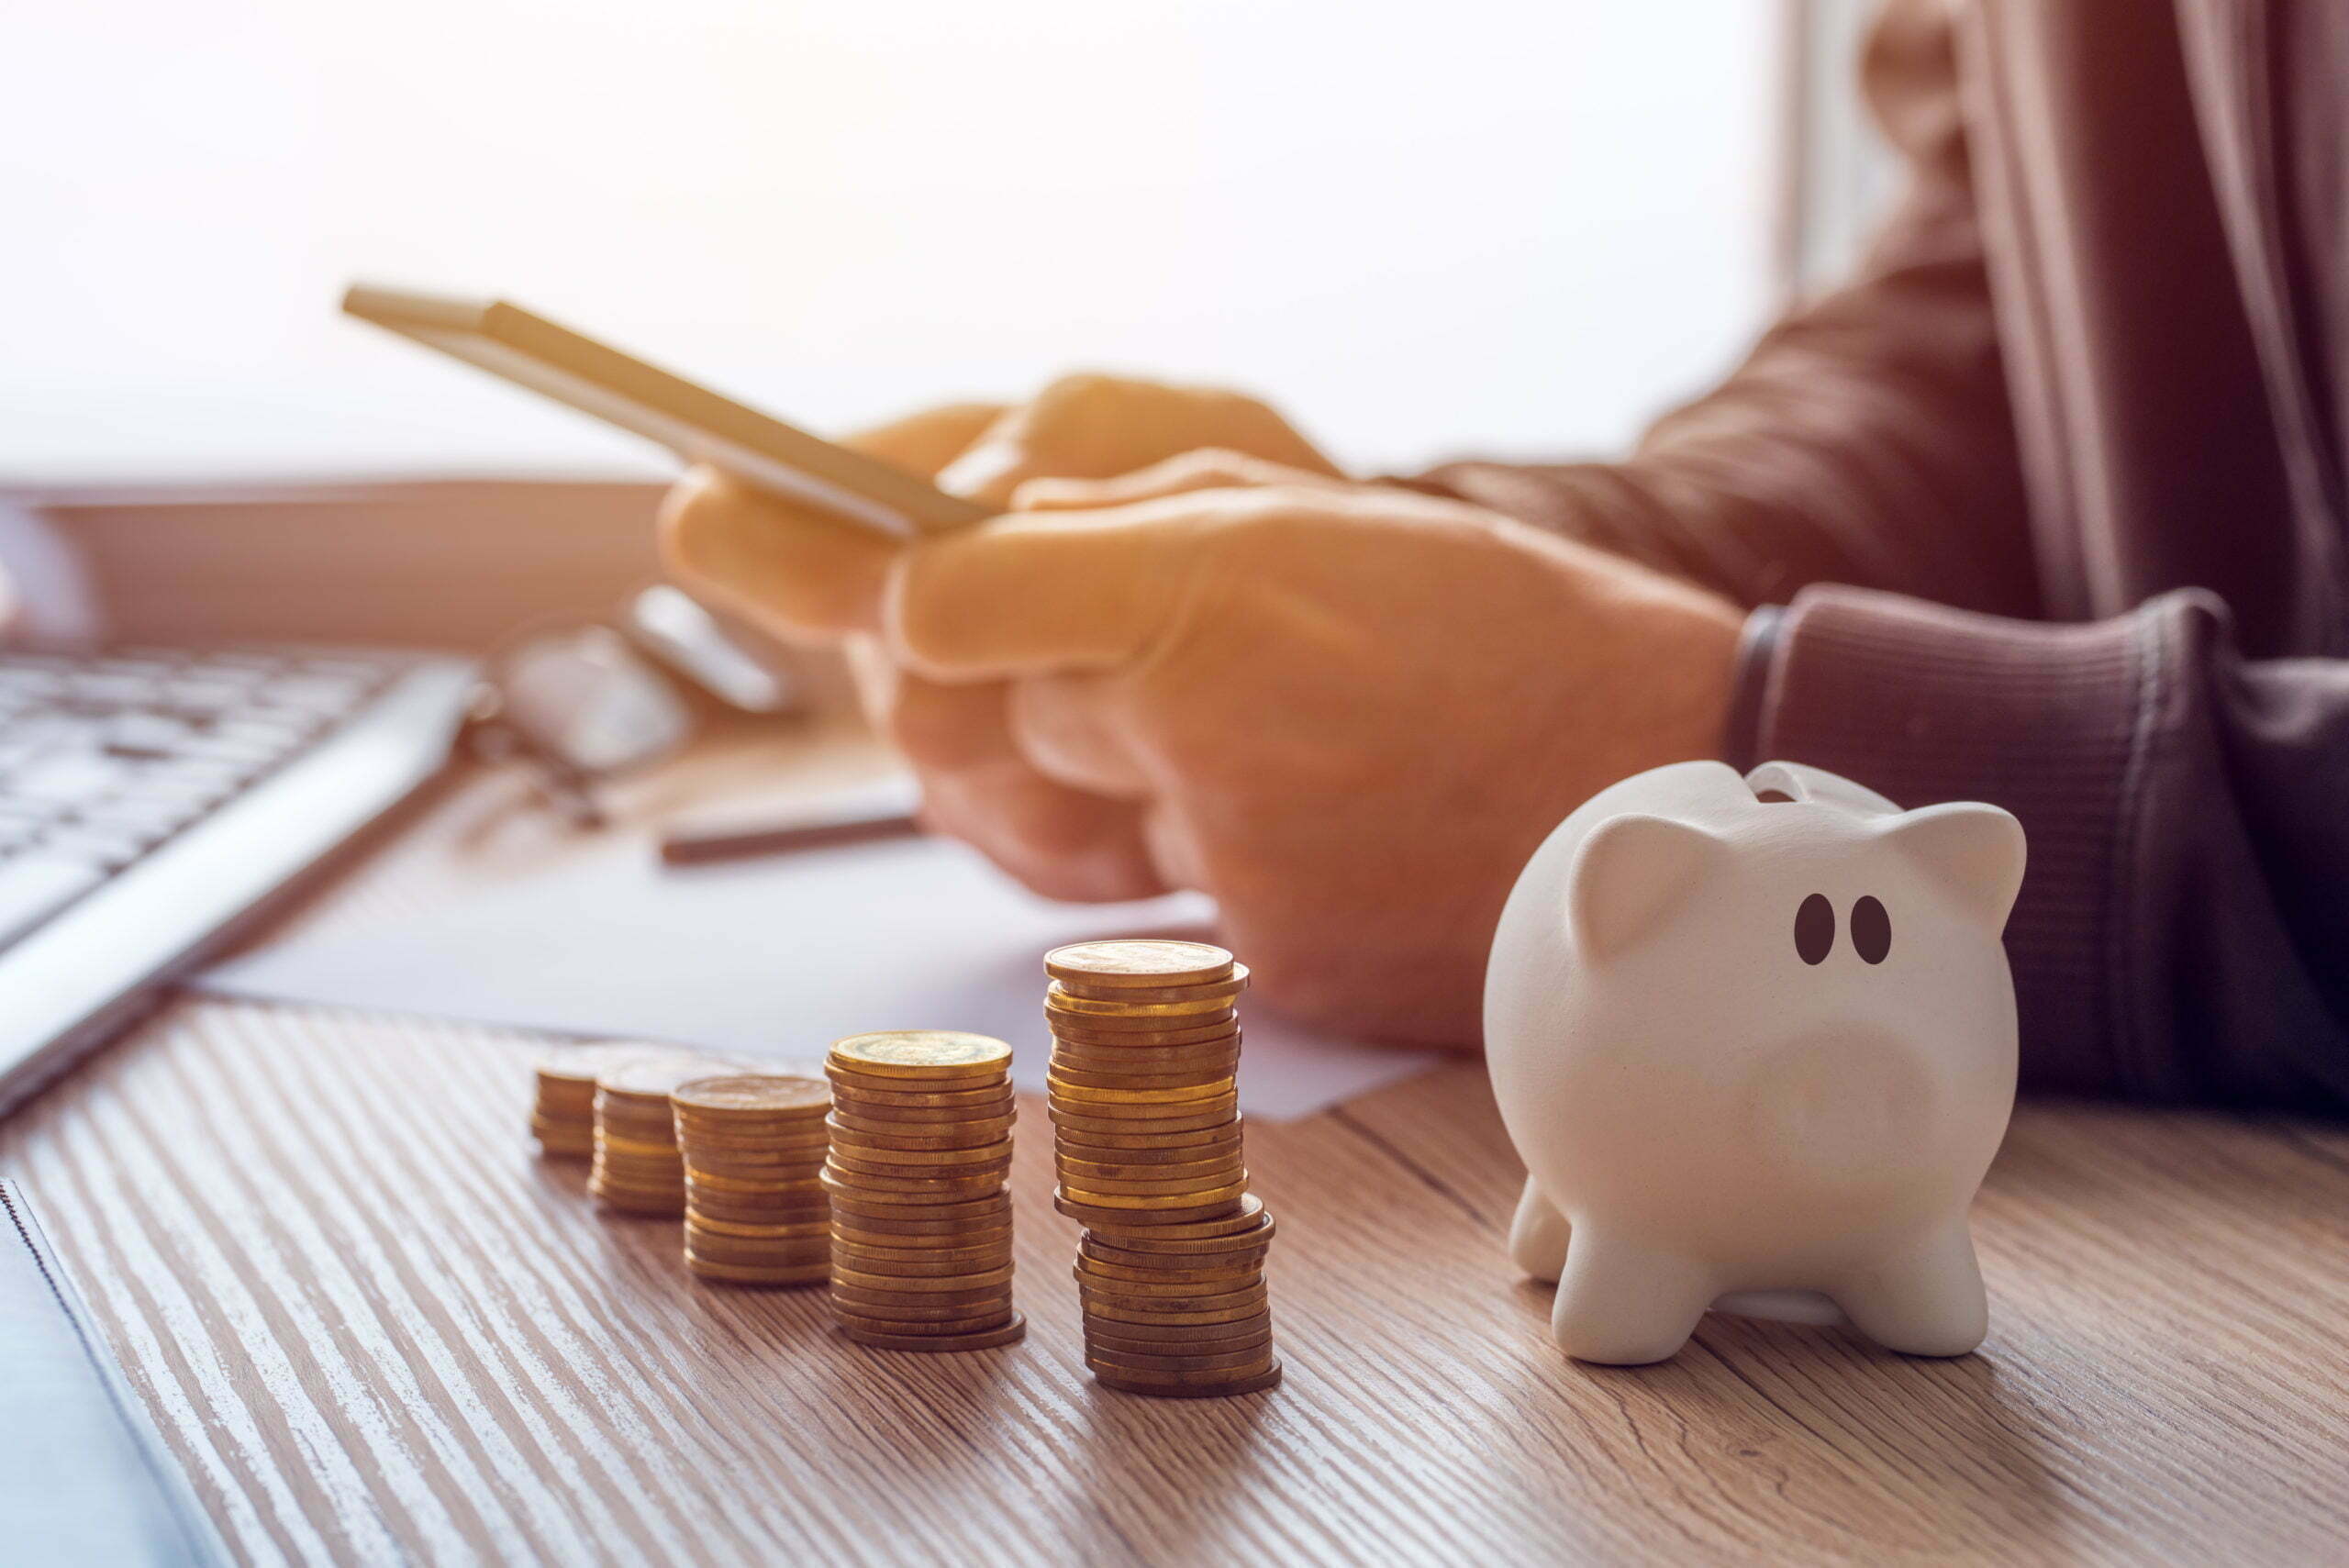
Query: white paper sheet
x=775 y=959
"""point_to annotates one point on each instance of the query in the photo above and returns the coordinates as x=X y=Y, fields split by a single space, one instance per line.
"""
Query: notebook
x=83 y=1478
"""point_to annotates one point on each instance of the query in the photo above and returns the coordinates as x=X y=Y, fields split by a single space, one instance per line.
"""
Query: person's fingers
x=1061 y=842
x=1209 y=468
x=1033 y=595
x=796 y=573
x=925 y=442
x=1070 y=729
x=980 y=785
x=1092 y=427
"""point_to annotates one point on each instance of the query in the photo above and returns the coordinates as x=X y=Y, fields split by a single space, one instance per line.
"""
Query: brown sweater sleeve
x=1866 y=439
x=2180 y=930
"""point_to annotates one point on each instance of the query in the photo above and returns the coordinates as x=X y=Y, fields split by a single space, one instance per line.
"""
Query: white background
x=1423 y=228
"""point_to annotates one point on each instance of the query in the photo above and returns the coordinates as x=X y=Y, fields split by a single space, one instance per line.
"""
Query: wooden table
x=376 y=1329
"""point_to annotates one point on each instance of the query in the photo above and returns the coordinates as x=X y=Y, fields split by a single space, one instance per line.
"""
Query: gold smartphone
x=696 y=423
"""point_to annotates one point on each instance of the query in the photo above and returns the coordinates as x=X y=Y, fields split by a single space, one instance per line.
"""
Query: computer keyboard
x=150 y=797
x=104 y=759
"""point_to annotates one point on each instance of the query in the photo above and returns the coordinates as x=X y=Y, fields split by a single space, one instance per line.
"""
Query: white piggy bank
x=1755 y=1039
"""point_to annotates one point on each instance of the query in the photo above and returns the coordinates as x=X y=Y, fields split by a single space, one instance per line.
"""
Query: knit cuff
x=1925 y=703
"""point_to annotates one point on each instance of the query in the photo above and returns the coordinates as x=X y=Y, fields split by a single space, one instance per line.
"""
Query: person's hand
x=1079 y=426
x=1348 y=713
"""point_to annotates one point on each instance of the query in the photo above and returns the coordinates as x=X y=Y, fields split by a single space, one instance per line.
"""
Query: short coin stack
x=753 y=1147
x=1143 y=1093
x=637 y=1169
x=921 y=1224
x=563 y=1119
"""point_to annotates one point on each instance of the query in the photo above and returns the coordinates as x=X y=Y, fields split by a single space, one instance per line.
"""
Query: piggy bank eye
x=1871 y=930
x=1815 y=929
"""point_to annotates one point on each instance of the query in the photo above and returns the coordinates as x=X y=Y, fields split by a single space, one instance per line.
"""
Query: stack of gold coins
x=637 y=1167
x=921 y=1224
x=754 y=1152
x=564 y=1119
x=1145 y=1112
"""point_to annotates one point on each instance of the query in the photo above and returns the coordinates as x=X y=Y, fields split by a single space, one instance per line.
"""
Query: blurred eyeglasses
x=582 y=703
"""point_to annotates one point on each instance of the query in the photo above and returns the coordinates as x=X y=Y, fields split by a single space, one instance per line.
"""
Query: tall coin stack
x=637 y=1168
x=921 y=1223
x=1146 y=1110
x=753 y=1148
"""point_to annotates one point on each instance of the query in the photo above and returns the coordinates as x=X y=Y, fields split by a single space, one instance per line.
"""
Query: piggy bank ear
x=1629 y=875
x=1975 y=851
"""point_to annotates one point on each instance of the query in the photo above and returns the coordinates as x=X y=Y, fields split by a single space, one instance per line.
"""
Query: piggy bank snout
x=1843 y=1102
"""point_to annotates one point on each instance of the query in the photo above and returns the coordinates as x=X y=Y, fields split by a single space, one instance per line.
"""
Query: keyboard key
x=67 y=775
x=107 y=851
x=33 y=887
x=148 y=734
x=97 y=688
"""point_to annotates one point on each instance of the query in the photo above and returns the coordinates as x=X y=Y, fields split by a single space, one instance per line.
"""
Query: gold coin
x=1143 y=1115
x=1124 y=1081
x=775 y=1184
x=1082 y=1097
x=1120 y=1028
x=1091 y=1174
x=1248 y=1358
x=752 y=1096
x=1249 y=1267
x=859 y=1154
x=1230 y=986
x=720 y=1248
x=1125 y=1383
x=1067 y=1031
x=922 y=1219
x=946 y=1308
x=1185 y=1014
x=1147 y=1162
x=1148 y=1139
x=1098 y=1293
x=802 y=1230
x=952 y=1261
x=1164 y=1295
x=971 y=1238
x=1181 y=1339
x=949 y=1184
x=923 y=1105
x=1147 y=1057
x=795 y=1140
x=984 y=1340
x=975 y=1280
x=1186 y=1189
x=655 y=1077
x=943 y=1320
x=920 y=1053
x=735 y=1273
x=765 y=1174
x=1245 y=1223
x=922 y=1135
x=1138 y=961
x=1117 y=1312
x=1104 y=1217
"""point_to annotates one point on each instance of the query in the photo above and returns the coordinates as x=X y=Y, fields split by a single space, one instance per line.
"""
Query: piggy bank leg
x=1626 y=1305
x=1537 y=1237
x=1924 y=1299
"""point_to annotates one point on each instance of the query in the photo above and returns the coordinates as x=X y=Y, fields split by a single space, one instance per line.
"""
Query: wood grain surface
x=376 y=1330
